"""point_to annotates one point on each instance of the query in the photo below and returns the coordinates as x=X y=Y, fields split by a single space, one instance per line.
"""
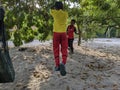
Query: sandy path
x=89 y=68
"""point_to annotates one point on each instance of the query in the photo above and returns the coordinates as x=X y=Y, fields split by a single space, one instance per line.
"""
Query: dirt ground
x=93 y=66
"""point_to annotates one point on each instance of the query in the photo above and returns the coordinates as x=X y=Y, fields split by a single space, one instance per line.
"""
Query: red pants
x=60 y=43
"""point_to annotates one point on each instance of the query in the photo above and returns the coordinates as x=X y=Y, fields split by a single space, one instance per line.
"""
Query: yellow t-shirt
x=60 y=20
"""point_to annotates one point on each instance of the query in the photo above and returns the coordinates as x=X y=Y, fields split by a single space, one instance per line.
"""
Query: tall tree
x=93 y=16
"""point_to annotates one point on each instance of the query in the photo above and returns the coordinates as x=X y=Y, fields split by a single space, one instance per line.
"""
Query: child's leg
x=56 y=43
x=64 y=47
x=72 y=45
x=69 y=43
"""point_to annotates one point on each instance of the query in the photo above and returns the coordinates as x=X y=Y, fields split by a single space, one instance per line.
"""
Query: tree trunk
x=118 y=34
x=80 y=35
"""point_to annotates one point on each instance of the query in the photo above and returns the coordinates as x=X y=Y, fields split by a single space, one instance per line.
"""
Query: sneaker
x=69 y=48
x=62 y=70
x=57 y=68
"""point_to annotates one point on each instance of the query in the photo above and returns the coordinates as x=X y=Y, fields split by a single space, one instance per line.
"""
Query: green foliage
x=35 y=32
x=92 y=17
x=105 y=7
x=27 y=34
x=9 y=19
x=17 y=38
x=8 y=36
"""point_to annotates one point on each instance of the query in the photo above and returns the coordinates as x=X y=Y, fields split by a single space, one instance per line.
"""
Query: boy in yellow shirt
x=59 y=36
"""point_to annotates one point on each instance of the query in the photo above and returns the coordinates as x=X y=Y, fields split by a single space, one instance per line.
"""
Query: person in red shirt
x=71 y=29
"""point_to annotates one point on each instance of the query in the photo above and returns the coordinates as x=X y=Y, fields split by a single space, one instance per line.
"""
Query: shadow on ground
x=86 y=70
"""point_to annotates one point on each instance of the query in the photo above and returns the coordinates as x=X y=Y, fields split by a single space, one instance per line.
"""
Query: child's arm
x=67 y=30
x=52 y=7
x=75 y=30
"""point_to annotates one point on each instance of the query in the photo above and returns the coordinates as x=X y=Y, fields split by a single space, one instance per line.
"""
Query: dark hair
x=73 y=20
x=58 y=5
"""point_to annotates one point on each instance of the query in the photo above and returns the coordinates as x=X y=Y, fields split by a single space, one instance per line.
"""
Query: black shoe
x=62 y=70
x=69 y=48
x=57 y=68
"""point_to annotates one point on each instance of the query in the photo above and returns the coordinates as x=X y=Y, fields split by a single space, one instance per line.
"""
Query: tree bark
x=80 y=35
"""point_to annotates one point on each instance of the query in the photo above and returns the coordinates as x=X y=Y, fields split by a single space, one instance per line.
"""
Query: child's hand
x=53 y=7
x=79 y=31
